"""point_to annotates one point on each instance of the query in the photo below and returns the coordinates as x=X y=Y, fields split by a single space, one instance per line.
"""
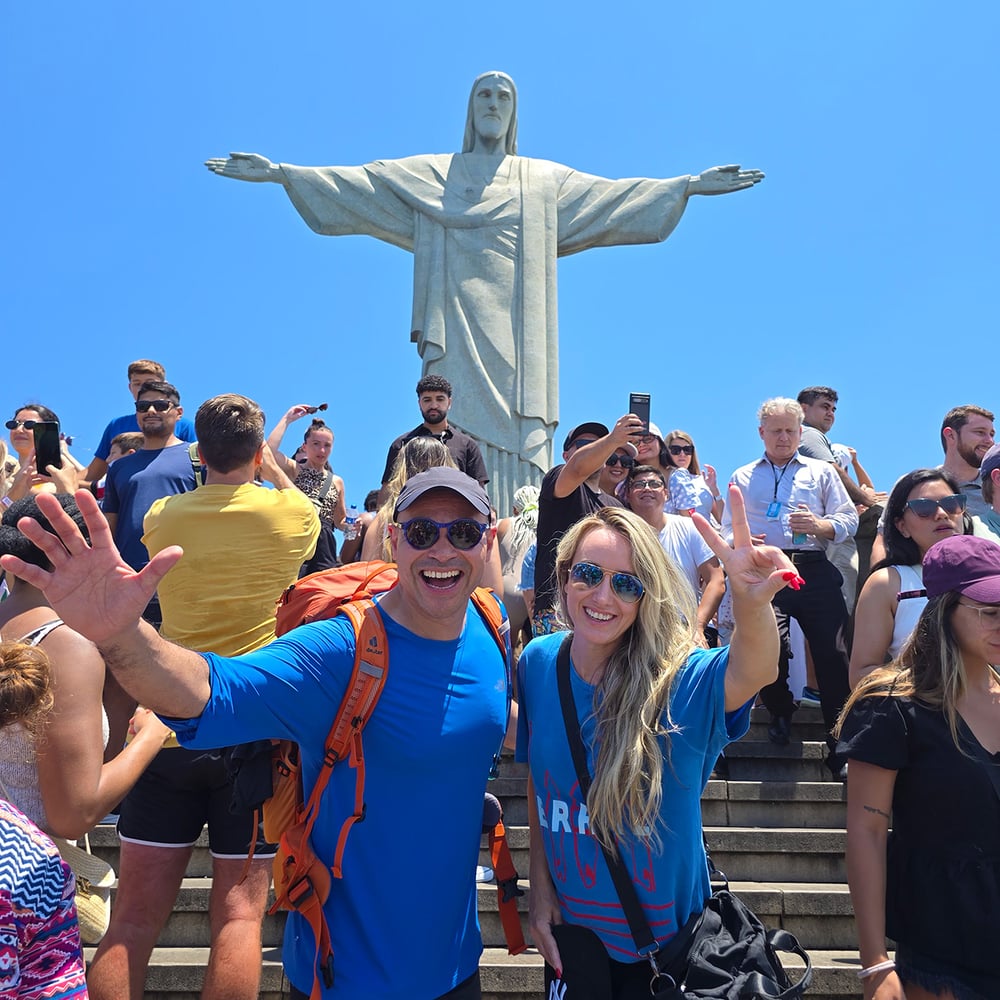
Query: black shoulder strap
x=645 y=942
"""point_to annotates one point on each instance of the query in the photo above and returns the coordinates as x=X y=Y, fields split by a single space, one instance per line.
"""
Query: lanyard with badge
x=774 y=507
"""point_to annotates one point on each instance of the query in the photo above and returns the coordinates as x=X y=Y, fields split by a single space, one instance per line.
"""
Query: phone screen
x=638 y=403
x=47 y=450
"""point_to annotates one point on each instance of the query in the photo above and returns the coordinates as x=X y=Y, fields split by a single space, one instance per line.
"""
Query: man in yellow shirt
x=243 y=545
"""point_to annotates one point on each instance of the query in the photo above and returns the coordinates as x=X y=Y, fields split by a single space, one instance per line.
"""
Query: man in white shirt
x=645 y=492
x=800 y=505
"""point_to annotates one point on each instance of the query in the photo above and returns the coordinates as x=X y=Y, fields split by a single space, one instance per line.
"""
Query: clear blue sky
x=866 y=260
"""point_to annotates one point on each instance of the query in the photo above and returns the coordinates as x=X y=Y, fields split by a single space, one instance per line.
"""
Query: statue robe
x=485 y=235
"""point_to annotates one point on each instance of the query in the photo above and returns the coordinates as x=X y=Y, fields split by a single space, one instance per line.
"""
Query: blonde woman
x=922 y=736
x=654 y=711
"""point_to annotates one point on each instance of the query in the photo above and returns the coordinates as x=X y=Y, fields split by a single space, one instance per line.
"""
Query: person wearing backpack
x=244 y=544
x=403 y=918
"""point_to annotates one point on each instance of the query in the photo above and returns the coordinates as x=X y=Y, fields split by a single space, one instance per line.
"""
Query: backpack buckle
x=509 y=889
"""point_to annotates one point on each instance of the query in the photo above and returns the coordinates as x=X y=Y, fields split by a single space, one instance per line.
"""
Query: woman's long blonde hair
x=929 y=668
x=632 y=698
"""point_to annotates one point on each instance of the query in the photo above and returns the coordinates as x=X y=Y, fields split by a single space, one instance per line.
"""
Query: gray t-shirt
x=815 y=444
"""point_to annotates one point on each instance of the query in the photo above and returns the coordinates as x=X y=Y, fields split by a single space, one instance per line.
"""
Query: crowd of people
x=644 y=602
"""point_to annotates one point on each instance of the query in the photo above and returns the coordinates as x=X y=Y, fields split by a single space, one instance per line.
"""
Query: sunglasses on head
x=145 y=405
x=12 y=425
x=625 y=586
x=926 y=507
x=463 y=533
x=626 y=461
x=681 y=449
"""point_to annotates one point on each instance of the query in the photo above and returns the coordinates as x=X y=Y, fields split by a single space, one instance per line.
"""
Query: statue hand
x=246 y=167
x=723 y=180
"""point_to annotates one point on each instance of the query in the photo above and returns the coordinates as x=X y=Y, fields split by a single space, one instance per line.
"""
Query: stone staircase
x=775 y=827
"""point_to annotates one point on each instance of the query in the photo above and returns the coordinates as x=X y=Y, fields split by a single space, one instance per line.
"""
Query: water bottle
x=351 y=523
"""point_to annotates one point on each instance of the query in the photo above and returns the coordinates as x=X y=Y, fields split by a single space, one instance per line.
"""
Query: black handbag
x=722 y=953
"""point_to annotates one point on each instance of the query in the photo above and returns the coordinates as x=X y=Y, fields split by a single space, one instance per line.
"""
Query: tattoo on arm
x=872 y=809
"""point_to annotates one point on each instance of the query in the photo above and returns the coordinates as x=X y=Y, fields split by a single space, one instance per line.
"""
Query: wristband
x=880 y=967
x=719 y=497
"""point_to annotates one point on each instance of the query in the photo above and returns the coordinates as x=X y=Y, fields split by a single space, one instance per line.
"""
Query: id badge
x=774 y=510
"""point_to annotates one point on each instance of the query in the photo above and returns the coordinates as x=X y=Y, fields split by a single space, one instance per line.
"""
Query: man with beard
x=434 y=400
x=160 y=468
x=966 y=436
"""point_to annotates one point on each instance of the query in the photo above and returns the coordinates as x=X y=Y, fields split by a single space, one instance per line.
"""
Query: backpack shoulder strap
x=199 y=469
x=371 y=667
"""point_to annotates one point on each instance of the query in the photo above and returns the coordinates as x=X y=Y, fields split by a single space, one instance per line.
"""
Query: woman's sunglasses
x=626 y=461
x=626 y=587
x=12 y=425
x=926 y=507
x=422 y=533
x=679 y=449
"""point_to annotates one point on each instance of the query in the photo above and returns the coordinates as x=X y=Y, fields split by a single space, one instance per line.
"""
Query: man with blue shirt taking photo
x=429 y=745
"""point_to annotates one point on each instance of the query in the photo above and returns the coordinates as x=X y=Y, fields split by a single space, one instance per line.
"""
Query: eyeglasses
x=422 y=533
x=646 y=484
x=626 y=461
x=681 y=449
x=12 y=425
x=926 y=507
x=989 y=616
x=145 y=405
x=626 y=587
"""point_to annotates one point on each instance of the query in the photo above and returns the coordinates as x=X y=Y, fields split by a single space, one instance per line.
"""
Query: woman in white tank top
x=58 y=777
x=925 y=506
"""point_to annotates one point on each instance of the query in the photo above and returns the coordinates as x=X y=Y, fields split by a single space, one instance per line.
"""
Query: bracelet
x=880 y=967
x=719 y=497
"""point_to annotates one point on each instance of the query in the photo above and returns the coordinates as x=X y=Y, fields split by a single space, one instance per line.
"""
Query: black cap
x=591 y=427
x=443 y=478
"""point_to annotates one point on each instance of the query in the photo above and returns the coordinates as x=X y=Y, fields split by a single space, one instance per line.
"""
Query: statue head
x=476 y=120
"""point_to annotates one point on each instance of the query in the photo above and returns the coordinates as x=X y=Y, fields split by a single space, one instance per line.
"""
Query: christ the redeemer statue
x=485 y=227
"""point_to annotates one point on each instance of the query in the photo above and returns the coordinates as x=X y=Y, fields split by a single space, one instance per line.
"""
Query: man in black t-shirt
x=570 y=492
x=434 y=399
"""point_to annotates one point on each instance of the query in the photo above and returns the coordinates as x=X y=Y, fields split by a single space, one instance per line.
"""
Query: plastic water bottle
x=351 y=523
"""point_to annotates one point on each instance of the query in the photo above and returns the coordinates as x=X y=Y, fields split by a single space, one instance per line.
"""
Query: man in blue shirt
x=428 y=746
x=139 y=372
x=162 y=467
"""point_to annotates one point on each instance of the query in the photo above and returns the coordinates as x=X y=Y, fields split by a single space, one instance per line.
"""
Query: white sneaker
x=484 y=873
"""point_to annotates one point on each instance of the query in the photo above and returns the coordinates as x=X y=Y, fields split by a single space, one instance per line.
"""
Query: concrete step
x=775 y=804
x=521 y=977
x=761 y=760
x=791 y=855
x=178 y=974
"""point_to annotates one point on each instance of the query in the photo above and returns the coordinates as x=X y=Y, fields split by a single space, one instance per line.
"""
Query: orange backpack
x=301 y=880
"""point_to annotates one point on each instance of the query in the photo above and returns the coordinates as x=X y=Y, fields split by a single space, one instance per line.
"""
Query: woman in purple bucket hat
x=922 y=736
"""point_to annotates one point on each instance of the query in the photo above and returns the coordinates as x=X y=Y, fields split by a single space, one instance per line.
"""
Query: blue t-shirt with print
x=672 y=883
x=428 y=747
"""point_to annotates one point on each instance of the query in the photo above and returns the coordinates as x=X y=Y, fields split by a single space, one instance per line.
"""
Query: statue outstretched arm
x=723 y=180
x=247 y=167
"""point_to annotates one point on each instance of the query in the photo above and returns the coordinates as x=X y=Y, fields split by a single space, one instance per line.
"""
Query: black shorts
x=178 y=794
